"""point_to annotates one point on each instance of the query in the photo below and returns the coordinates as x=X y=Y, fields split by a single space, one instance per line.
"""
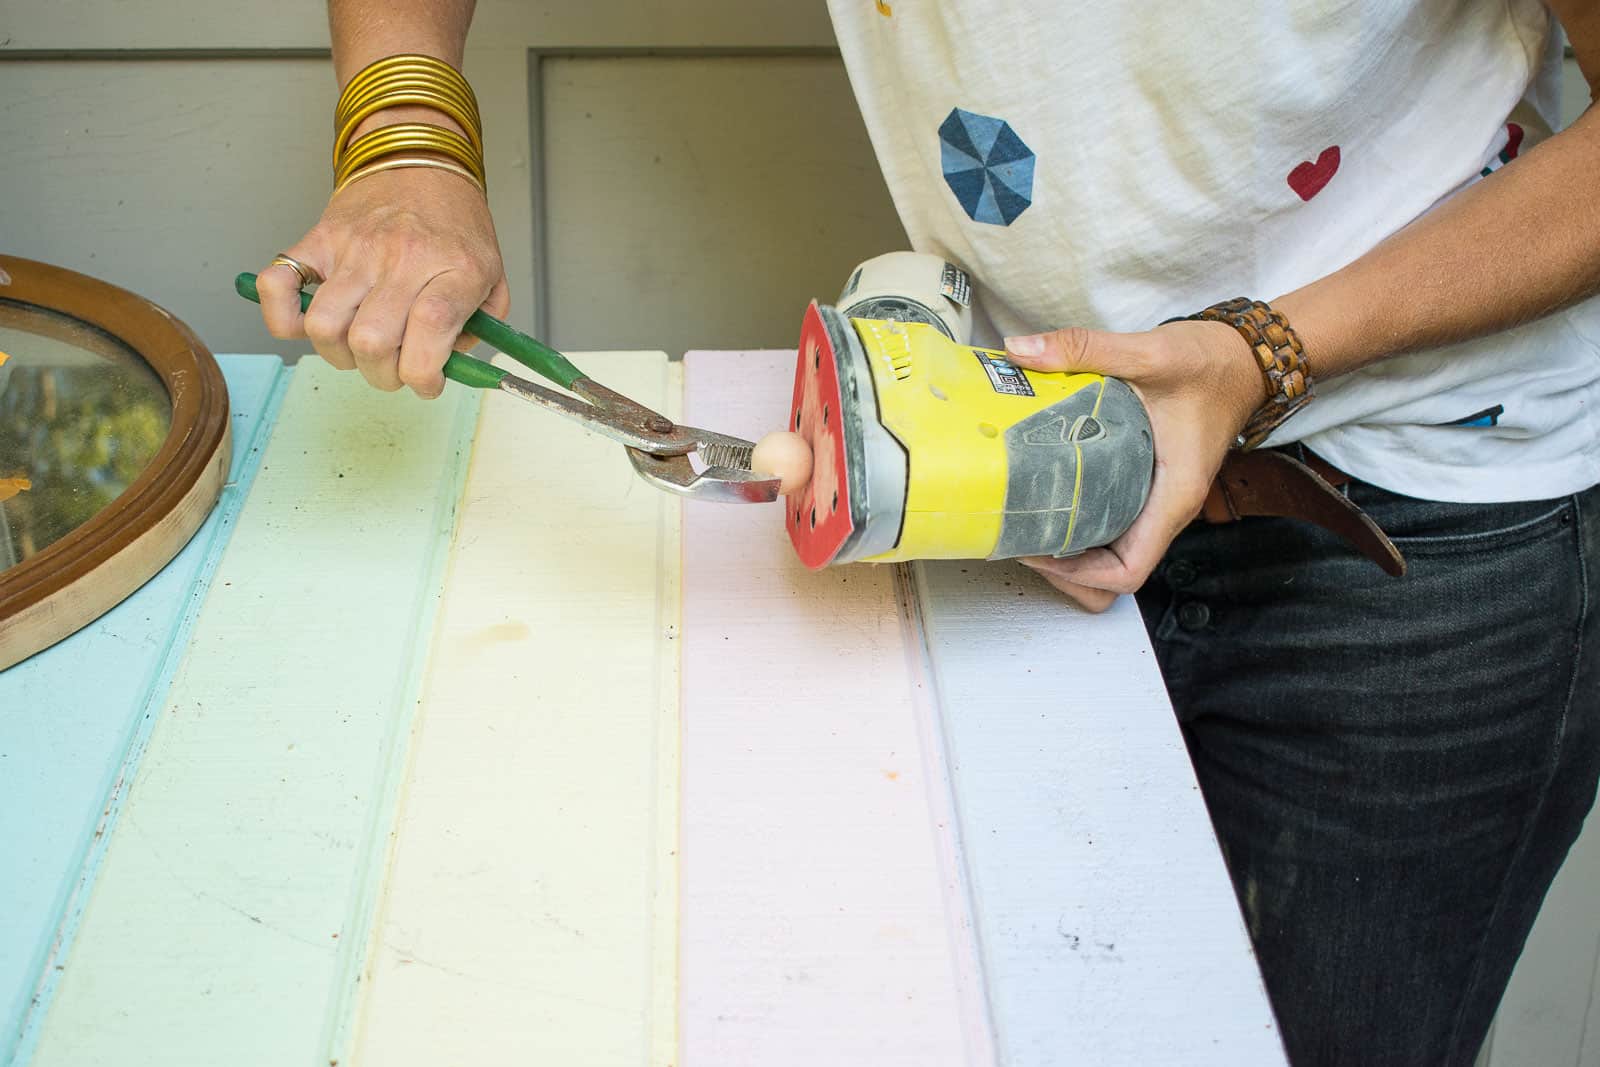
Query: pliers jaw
x=724 y=473
x=659 y=448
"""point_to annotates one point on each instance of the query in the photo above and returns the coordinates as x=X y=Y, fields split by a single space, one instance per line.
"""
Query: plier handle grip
x=663 y=452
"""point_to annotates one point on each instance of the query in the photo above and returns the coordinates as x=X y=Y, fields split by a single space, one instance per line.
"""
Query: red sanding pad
x=819 y=514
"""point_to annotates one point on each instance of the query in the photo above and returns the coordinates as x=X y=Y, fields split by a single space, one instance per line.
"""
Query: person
x=1395 y=767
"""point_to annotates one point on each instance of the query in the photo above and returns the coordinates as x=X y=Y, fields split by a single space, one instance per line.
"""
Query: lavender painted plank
x=74 y=719
x=1108 y=932
x=823 y=919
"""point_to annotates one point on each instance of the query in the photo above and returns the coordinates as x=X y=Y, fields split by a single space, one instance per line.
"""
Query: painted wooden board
x=1108 y=925
x=220 y=926
x=74 y=719
x=823 y=919
x=530 y=911
x=1108 y=932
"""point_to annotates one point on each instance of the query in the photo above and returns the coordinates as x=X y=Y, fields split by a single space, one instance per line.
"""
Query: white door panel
x=699 y=201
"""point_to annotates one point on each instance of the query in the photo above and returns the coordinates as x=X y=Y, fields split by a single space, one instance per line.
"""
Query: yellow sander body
x=996 y=453
x=928 y=448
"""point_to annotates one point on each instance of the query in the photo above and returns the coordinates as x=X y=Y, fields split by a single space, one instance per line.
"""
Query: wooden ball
x=786 y=455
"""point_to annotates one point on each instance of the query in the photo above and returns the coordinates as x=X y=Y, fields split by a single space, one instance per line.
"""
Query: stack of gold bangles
x=398 y=81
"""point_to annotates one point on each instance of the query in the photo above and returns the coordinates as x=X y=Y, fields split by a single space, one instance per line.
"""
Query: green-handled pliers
x=659 y=449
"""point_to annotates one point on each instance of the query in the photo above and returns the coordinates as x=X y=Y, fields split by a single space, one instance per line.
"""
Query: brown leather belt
x=1271 y=483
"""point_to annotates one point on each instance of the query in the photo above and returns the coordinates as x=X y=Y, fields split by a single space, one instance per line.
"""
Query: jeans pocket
x=1431 y=527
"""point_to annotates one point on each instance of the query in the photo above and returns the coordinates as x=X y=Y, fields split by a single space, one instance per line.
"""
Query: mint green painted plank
x=224 y=926
x=74 y=720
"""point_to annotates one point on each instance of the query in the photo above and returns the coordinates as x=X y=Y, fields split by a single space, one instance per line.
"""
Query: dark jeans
x=1395 y=767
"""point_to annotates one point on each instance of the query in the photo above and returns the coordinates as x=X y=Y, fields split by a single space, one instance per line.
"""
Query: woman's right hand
x=406 y=255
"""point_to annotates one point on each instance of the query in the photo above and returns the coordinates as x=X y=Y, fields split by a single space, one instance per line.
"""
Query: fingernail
x=1032 y=345
x=1030 y=563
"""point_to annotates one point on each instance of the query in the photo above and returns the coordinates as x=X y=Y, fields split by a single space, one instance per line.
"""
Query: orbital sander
x=925 y=447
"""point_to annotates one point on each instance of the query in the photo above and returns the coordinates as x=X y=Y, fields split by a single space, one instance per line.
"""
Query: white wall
x=166 y=146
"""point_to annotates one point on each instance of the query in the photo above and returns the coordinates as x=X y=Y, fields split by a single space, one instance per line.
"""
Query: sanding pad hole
x=813 y=518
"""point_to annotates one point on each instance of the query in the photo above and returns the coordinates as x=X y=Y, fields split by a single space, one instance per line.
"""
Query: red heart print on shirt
x=1308 y=179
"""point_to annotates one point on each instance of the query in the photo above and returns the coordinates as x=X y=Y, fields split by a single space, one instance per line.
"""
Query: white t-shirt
x=1113 y=164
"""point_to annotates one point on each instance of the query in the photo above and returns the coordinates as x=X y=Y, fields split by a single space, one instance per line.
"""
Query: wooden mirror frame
x=75 y=580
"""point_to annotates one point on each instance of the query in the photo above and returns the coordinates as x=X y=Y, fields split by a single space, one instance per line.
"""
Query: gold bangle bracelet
x=398 y=99
x=403 y=146
x=344 y=176
x=448 y=140
x=393 y=81
x=400 y=162
x=410 y=63
x=410 y=136
x=353 y=99
x=412 y=67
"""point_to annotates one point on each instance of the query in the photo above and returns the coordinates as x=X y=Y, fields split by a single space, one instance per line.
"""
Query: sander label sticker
x=1003 y=376
x=953 y=283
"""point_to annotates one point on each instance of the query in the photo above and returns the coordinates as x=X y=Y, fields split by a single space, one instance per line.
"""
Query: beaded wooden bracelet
x=1279 y=354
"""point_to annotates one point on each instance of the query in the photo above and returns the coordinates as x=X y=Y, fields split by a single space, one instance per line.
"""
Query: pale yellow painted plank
x=530 y=911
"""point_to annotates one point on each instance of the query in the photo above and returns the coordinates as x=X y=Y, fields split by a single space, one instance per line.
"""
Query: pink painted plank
x=823 y=919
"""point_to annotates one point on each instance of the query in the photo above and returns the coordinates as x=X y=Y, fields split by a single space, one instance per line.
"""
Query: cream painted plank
x=530 y=910
x=220 y=927
x=823 y=916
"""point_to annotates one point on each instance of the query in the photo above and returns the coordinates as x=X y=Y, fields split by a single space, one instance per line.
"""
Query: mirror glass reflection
x=81 y=416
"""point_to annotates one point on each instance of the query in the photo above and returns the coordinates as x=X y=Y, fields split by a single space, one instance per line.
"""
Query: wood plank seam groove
x=365 y=913
x=978 y=1029
x=669 y=767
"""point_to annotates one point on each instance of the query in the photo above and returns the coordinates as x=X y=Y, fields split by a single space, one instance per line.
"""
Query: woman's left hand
x=1200 y=383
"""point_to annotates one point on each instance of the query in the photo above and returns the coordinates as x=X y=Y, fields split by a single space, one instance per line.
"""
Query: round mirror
x=113 y=447
x=81 y=417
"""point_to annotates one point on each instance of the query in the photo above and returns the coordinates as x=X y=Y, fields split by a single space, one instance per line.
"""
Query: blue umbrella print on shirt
x=987 y=166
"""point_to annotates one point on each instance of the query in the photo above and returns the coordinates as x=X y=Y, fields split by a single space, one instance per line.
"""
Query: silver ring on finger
x=307 y=274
